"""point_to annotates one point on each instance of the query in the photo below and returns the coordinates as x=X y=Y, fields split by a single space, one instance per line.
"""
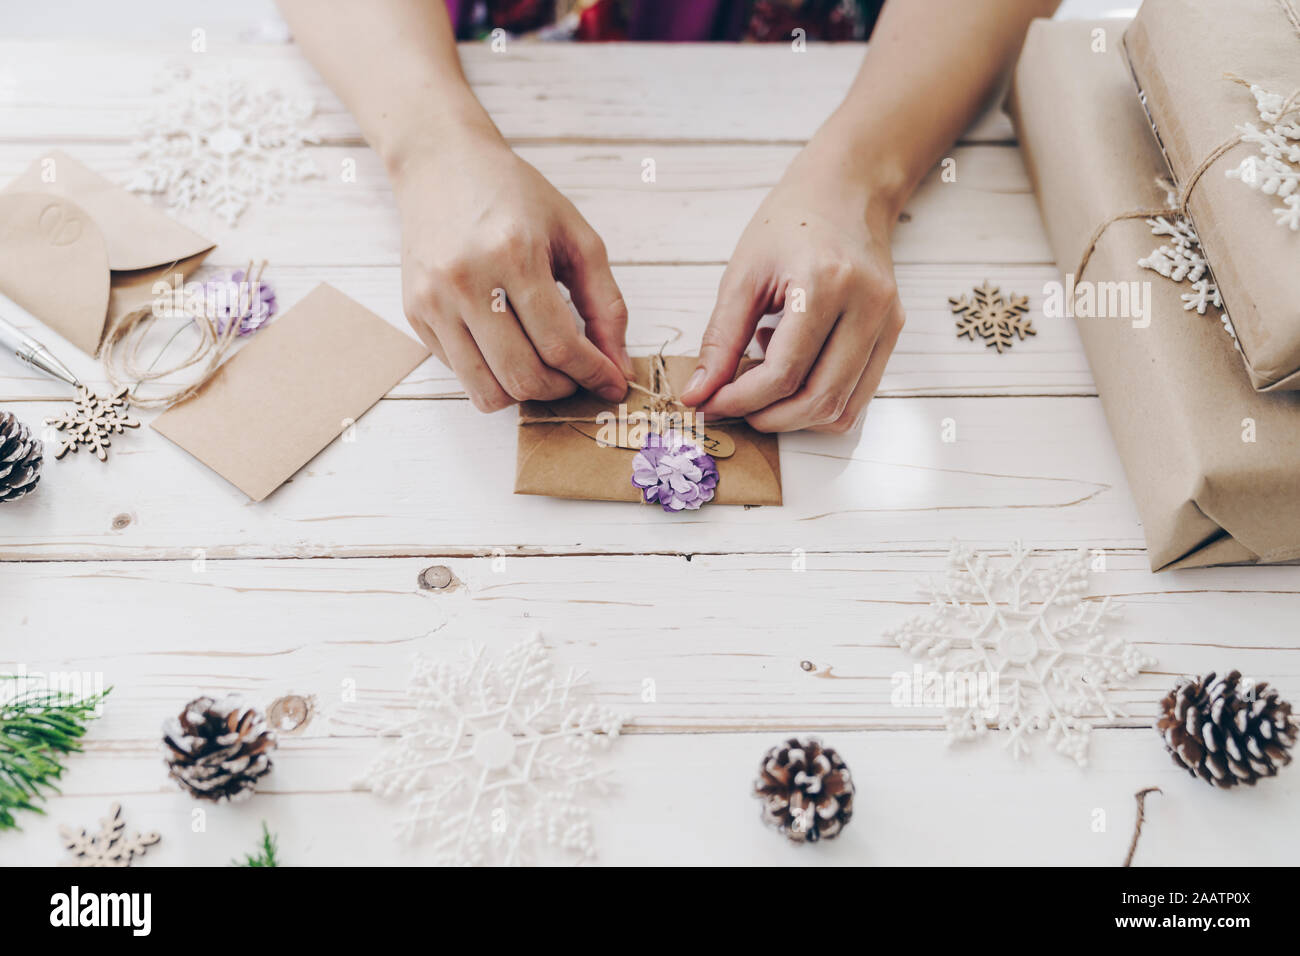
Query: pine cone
x=1225 y=734
x=217 y=750
x=806 y=790
x=20 y=458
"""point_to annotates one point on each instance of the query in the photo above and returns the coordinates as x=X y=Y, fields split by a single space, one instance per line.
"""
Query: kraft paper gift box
x=565 y=459
x=1214 y=465
x=1181 y=53
x=78 y=252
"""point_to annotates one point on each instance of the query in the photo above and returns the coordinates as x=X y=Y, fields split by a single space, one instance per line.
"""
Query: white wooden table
x=316 y=589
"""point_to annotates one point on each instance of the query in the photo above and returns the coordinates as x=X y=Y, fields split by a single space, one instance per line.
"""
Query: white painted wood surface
x=156 y=573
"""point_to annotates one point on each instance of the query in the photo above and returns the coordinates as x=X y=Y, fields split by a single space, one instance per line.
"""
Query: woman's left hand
x=817 y=252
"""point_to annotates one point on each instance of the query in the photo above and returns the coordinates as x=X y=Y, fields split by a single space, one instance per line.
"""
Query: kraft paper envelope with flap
x=78 y=251
x=565 y=460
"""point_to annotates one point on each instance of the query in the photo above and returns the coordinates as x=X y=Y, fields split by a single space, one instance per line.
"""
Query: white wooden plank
x=594 y=92
x=919 y=803
x=436 y=477
x=725 y=642
x=694 y=212
x=670 y=307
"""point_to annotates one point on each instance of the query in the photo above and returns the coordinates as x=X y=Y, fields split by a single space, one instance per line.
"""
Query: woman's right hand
x=484 y=239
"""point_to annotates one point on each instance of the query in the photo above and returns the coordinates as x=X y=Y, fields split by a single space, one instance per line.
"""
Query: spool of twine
x=125 y=366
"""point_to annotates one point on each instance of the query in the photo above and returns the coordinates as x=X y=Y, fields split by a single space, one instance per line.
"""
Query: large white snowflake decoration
x=499 y=759
x=216 y=139
x=1276 y=170
x=1027 y=633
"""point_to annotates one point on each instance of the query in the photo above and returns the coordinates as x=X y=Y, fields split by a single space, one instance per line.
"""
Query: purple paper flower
x=226 y=294
x=670 y=470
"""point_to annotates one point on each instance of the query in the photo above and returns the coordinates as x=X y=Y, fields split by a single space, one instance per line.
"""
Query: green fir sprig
x=36 y=730
x=265 y=855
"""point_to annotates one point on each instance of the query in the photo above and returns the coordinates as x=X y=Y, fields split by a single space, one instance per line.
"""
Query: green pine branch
x=265 y=855
x=36 y=730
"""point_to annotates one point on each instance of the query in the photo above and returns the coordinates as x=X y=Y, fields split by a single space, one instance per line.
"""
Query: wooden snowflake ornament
x=111 y=846
x=996 y=319
x=92 y=422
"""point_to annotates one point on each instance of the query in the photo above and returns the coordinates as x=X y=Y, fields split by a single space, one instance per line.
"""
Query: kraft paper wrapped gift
x=565 y=460
x=1213 y=464
x=1180 y=53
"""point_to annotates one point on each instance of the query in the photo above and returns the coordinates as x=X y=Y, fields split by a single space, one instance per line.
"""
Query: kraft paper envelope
x=564 y=460
x=54 y=263
x=293 y=389
x=1214 y=465
x=1180 y=52
x=80 y=228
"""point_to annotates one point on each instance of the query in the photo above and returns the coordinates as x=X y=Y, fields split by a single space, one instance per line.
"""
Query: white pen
x=28 y=350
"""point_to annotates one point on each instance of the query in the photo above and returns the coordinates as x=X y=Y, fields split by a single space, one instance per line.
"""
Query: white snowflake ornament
x=1181 y=259
x=1276 y=170
x=499 y=761
x=1026 y=630
x=218 y=140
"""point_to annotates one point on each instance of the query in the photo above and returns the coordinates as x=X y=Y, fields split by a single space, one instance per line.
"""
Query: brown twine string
x=1291 y=14
x=660 y=392
x=1184 y=192
x=1141 y=797
x=121 y=352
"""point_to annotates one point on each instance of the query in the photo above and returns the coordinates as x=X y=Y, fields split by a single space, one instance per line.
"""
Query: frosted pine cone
x=20 y=458
x=217 y=750
x=806 y=790
x=1226 y=734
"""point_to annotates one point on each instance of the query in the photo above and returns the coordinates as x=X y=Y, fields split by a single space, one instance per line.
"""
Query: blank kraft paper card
x=291 y=391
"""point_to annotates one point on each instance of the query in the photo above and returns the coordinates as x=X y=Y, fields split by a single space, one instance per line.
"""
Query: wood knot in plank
x=437 y=577
x=291 y=713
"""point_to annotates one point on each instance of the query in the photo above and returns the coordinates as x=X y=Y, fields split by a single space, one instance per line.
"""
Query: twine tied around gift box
x=121 y=351
x=1180 y=197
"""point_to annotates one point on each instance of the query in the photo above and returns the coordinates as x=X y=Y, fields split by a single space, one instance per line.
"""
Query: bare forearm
x=931 y=65
x=394 y=65
x=480 y=227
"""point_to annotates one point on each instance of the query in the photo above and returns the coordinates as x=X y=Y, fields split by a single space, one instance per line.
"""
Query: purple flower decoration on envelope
x=230 y=293
x=672 y=471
